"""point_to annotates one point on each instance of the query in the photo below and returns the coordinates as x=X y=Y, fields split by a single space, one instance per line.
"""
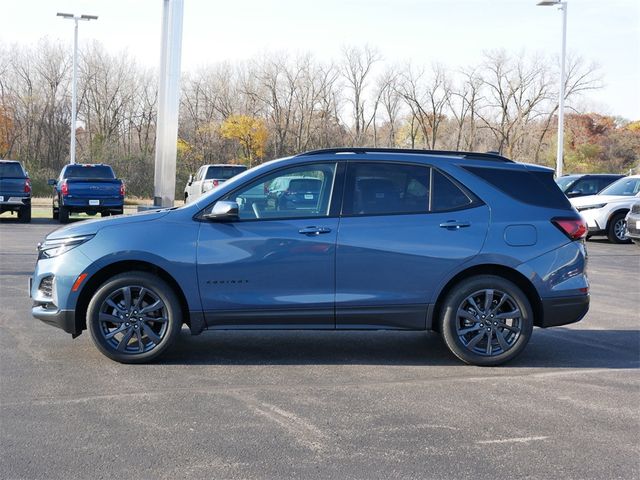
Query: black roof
x=363 y=150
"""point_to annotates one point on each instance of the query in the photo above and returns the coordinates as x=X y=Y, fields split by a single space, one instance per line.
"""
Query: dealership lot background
x=323 y=404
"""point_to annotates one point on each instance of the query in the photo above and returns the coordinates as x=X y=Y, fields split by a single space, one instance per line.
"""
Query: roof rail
x=475 y=155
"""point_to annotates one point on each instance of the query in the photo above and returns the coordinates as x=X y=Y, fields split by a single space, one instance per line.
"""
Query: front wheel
x=486 y=320
x=616 y=233
x=134 y=317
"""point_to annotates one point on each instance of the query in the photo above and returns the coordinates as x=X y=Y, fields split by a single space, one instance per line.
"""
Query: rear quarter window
x=532 y=187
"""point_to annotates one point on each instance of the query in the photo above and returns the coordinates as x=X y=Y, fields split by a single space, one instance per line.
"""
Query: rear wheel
x=486 y=320
x=63 y=214
x=24 y=214
x=617 y=229
x=134 y=317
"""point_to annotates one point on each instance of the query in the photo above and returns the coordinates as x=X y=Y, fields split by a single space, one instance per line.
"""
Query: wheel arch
x=623 y=210
x=115 y=268
x=508 y=273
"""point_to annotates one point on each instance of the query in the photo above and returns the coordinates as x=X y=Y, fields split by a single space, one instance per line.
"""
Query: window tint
x=88 y=171
x=624 y=186
x=384 y=188
x=587 y=186
x=532 y=187
x=11 y=170
x=446 y=195
x=224 y=173
x=303 y=191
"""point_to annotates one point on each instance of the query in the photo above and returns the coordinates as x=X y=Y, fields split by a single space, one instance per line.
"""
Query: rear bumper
x=13 y=202
x=564 y=310
x=64 y=319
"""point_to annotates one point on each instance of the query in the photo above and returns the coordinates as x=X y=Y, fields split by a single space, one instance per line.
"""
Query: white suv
x=208 y=177
x=605 y=212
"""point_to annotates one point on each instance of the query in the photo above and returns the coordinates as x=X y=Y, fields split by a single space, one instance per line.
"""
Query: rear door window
x=446 y=195
x=386 y=188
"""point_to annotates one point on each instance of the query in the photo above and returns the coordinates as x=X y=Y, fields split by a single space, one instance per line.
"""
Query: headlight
x=590 y=207
x=53 y=248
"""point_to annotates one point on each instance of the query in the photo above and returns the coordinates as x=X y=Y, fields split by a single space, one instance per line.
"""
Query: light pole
x=563 y=7
x=75 y=18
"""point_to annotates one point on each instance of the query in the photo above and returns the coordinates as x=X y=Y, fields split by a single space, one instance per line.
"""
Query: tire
x=105 y=213
x=63 y=214
x=24 y=214
x=54 y=213
x=506 y=341
x=616 y=229
x=131 y=339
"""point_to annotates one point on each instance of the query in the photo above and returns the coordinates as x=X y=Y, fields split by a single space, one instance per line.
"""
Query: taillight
x=574 y=228
x=27 y=185
x=64 y=188
x=122 y=189
x=216 y=183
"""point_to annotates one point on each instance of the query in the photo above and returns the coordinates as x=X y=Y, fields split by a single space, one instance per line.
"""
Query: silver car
x=208 y=177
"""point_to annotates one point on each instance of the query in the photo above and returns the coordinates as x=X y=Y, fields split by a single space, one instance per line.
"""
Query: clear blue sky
x=452 y=32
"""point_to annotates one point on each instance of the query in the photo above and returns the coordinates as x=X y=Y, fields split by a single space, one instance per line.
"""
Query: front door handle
x=454 y=224
x=314 y=230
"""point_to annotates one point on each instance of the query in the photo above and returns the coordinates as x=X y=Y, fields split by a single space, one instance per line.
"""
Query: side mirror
x=51 y=182
x=223 y=211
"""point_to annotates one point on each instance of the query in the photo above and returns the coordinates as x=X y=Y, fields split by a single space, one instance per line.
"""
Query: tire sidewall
x=611 y=233
x=150 y=282
x=455 y=298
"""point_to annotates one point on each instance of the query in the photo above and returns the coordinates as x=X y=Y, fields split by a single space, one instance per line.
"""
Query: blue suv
x=475 y=246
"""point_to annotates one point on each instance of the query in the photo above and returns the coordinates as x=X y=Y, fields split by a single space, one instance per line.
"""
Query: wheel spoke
x=464 y=331
x=474 y=341
x=154 y=306
x=112 y=304
x=154 y=319
x=108 y=318
x=488 y=300
x=125 y=340
x=474 y=304
x=500 y=303
x=150 y=333
x=510 y=327
x=143 y=292
x=502 y=341
x=126 y=292
x=514 y=314
x=113 y=333
x=489 y=349
x=140 y=343
x=464 y=314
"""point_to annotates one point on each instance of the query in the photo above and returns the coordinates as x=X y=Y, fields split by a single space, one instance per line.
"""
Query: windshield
x=224 y=173
x=564 y=182
x=627 y=187
x=11 y=170
x=89 y=171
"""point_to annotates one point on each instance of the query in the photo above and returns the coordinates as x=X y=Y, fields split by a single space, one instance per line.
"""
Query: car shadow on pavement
x=556 y=348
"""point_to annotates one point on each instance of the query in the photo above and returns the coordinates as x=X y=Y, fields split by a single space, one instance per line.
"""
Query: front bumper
x=64 y=319
x=558 y=311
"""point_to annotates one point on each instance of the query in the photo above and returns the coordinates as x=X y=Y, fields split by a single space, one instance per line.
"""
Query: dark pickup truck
x=88 y=188
x=15 y=190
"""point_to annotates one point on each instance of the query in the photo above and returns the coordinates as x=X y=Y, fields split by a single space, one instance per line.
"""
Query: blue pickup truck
x=88 y=188
x=15 y=190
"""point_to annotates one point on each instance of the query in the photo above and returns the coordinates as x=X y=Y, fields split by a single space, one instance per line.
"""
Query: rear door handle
x=314 y=230
x=454 y=224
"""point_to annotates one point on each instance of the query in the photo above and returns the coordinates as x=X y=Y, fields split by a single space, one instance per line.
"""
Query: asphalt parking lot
x=322 y=404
